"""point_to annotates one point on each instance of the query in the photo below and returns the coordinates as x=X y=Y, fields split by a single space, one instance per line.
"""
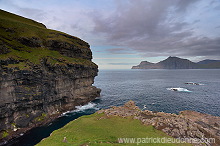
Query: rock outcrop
x=188 y=124
x=178 y=63
x=42 y=74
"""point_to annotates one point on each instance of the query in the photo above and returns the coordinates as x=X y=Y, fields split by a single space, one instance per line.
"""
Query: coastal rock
x=188 y=124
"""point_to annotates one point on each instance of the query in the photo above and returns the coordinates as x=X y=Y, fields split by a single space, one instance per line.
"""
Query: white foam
x=65 y=113
x=79 y=108
x=179 y=89
x=90 y=105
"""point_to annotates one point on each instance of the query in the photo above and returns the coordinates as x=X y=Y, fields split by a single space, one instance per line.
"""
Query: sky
x=122 y=33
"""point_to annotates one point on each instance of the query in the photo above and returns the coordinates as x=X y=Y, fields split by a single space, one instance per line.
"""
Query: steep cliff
x=42 y=74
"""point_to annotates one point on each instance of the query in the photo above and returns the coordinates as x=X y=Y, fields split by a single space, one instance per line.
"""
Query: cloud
x=35 y=14
x=67 y=16
x=182 y=5
x=132 y=20
x=150 y=28
x=202 y=47
x=157 y=28
x=119 y=51
x=122 y=63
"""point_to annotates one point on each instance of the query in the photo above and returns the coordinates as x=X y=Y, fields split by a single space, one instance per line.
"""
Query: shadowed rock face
x=26 y=95
x=42 y=74
x=188 y=124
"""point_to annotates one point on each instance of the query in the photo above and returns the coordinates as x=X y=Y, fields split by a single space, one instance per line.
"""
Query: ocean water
x=150 y=88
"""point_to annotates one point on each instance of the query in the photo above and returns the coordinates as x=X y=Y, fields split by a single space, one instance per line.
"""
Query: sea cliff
x=43 y=73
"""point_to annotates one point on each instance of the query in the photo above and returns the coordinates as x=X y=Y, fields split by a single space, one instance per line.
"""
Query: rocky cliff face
x=42 y=74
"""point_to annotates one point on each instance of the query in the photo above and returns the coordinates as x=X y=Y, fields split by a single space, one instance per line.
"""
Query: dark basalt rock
x=48 y=89
x=70 y=50
x=3 y=49
x=31 y=42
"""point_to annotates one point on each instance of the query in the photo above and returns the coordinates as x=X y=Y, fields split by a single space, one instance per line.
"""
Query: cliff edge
x=43 y=73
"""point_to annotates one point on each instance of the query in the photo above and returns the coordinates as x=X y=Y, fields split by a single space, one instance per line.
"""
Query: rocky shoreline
x=186 y=124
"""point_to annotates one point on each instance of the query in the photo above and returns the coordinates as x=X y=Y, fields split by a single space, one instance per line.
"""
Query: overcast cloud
x=158 y=27
x=142 y=28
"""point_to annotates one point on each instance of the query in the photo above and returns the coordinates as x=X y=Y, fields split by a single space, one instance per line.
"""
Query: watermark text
x=165 y=140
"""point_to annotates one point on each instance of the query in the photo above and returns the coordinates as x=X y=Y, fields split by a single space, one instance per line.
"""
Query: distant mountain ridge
x=179 y=63
x=207 y=61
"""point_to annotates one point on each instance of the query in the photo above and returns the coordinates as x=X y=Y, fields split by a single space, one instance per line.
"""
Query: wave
x=81 y=108
x=179 y=89
x=90 y=105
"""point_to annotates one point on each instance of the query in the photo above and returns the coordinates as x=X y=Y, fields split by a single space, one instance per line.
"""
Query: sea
x=150 y=89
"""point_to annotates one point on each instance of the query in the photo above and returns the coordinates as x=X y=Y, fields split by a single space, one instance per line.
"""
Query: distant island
x=179 y=63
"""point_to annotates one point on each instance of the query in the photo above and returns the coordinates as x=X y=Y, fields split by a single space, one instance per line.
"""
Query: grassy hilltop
x=29 y=42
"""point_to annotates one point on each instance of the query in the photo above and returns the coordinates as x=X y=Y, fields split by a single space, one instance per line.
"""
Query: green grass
x=36 y=55
x=17 y=26
x=41 y=117
x=94 y=131
x=4 y=134
x=14 y=27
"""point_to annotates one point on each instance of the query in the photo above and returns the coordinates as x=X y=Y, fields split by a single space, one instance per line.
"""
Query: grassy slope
x=94 y=131
x=13 y=27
